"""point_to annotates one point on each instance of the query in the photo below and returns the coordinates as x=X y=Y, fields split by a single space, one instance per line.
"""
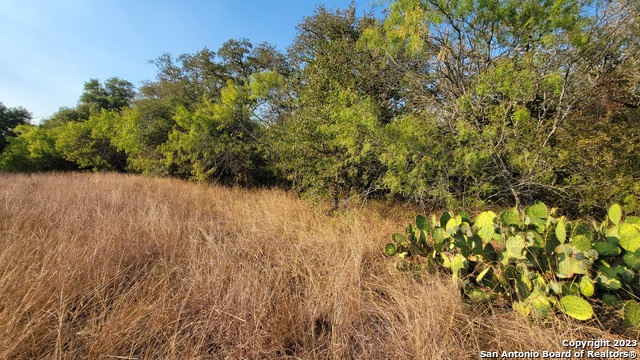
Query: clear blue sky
x=49 y=48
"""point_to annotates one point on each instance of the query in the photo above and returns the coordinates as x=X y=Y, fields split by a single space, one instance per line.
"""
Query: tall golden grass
x=111 y=266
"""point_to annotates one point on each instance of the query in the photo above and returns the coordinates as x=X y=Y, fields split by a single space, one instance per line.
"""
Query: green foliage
x=217 y=141
x=492 y=98
x=114 y=94
x=331 y=149
x=329 y=144
x=89 y=143
x=32 y=149
x=62 y=116
x=76 y=138
x=204 y=116
x=9 y=119
x=186 y=80
x=534 y=260
x=494 y=107
x=140 y=132
x=417 y=162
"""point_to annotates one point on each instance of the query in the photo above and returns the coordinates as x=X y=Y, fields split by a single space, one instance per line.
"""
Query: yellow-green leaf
x=615 y=213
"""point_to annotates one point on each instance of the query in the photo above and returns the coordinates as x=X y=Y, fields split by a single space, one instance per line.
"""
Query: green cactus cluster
x=538 y=262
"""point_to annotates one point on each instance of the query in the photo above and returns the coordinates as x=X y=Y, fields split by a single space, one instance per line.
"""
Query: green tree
x=328 y=142
x=85 y=135
x=114 y=94
x=187 y=79
x=602 y=137
x=497 y=82
x=220 y=141
x=32 y=149
x=9 y=119
x=415 y=156
x=63 y=116
x=190 y=81
x=140 y=132
x=331 y=150
x=89 y=144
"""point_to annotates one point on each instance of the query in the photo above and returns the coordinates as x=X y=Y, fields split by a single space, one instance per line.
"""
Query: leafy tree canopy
x=9 y=119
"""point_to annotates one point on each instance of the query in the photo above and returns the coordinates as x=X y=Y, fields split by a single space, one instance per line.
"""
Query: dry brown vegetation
x=115 y=266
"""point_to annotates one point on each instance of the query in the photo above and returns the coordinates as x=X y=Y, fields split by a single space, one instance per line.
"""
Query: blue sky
x=49 y=48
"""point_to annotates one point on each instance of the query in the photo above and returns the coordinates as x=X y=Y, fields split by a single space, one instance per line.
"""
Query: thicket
x=444 y=104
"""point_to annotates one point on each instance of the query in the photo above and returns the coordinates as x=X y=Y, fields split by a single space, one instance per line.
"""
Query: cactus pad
x=631 y=314
x=576 y=307
x=390 y=249
x=484 y=222
x=615 y=214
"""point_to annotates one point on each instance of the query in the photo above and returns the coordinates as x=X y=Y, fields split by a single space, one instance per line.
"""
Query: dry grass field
x=111 y=266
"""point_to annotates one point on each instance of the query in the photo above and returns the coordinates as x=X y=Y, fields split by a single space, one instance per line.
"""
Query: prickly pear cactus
x=539 y=262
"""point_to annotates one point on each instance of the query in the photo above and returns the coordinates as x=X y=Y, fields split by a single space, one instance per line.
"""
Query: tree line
x=440 y=103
